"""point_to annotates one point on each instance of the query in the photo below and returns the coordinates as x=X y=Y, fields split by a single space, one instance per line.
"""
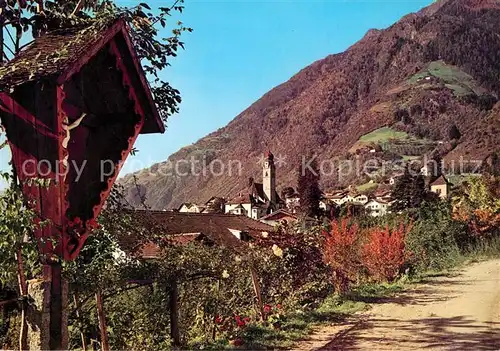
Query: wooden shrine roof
x=54 y=53
x=59 y=54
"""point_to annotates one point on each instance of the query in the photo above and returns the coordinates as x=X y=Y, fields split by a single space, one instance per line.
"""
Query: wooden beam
x=102 y=321
x=258 y=293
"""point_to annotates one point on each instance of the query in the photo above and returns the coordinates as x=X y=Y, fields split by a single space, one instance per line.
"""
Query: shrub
x=341 y=253
x=298 y=276
x=478 y=206
x=385 y=253
x=436 y=240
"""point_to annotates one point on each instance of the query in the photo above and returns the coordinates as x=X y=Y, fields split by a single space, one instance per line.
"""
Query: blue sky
x=239 y=50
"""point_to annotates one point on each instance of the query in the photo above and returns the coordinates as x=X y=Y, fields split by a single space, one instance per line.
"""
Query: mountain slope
x=432 y=69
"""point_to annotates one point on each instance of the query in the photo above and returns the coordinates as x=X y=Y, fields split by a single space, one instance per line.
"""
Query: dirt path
x=458 y=312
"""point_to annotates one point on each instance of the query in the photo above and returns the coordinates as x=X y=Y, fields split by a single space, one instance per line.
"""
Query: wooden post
x=214 y=331
x=258 y=294
x=77 y=306
x=23 y=290
x=102 y=322
x=174 y=313
x=2 y=21
x=56 y=306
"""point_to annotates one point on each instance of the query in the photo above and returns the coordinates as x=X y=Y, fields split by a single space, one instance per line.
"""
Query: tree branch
x=10 y=50
x=111 y=294
x=10 y=35
x=162 y=15
x=78 y=7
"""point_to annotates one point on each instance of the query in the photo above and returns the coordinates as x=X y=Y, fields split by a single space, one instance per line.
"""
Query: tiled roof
x=380 y=201
x=440 y=181
x=336 y=195
x=150 y=250
x=277 y=214
x=180 y=227
x=241 y=199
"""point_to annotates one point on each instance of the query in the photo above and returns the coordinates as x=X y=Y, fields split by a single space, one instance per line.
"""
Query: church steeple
x=269 y=178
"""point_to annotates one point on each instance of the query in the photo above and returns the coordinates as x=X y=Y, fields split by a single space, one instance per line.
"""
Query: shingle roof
x=59 y=54
x=55 y=52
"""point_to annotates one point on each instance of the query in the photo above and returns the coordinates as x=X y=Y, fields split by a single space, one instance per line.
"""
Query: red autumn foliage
x=341 y=253
x=385 y=253
x=481 y=222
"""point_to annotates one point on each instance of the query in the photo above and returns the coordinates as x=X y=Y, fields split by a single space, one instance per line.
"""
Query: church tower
x=269 y=178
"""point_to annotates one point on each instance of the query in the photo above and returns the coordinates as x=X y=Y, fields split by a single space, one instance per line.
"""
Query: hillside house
x=292 y=202
x=441 y=187
x=258 y=199
x=342 y=197
x=377 y=207
x=339 y=197
x=325 y=204
x=361 y=199
x=355 y=198
x=213 y=205
x=188 y=207
x=279 y=217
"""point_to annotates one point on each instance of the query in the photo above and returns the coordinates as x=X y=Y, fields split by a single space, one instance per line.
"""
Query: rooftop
x=186 y=227
x=440 y=181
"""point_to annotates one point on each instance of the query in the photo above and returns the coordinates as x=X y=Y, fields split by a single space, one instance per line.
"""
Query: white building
x=292 y=202
x=258 y=199
x=339 y=198
x=394 y=178
x=342 y=197
x=377 y=207
x=361 y=199
x=188 y=207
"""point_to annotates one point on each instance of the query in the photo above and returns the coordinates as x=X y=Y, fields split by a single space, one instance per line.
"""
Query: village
x=261 y=201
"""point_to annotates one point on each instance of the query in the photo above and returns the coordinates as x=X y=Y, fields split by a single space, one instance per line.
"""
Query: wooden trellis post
x=174 y=312
x=76 y=301
x=258 y=293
